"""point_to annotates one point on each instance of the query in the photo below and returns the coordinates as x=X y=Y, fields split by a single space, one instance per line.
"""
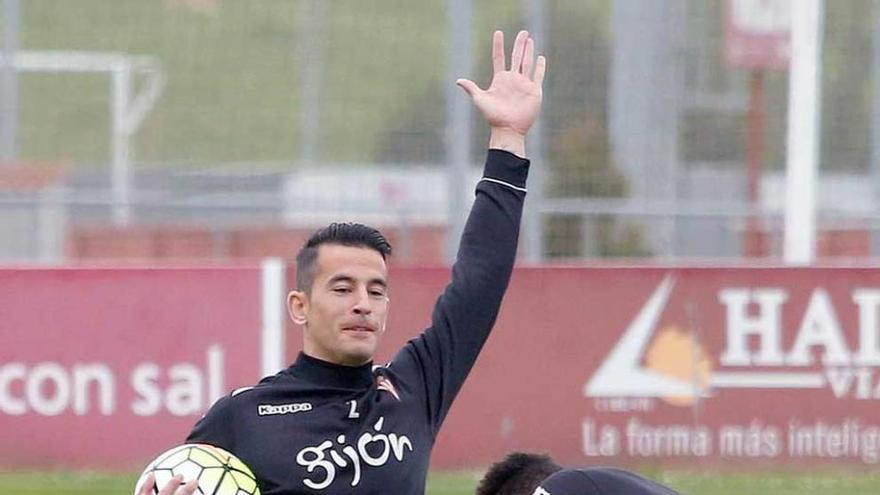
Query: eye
x=377 y=293
x=341 y=290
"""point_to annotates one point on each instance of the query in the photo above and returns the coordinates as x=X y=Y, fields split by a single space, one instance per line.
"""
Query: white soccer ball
x=218 y=471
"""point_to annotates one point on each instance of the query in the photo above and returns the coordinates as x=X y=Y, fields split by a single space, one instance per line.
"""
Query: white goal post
x=127 y=110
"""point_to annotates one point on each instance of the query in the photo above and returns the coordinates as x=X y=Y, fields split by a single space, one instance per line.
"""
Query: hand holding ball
x=217 y=471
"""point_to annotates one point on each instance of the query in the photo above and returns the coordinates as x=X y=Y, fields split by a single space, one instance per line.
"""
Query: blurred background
x=224 y=130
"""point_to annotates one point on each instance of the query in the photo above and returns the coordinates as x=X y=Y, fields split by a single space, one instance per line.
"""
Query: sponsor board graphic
x=776 y=371
x=676 y=366
x=106 y=367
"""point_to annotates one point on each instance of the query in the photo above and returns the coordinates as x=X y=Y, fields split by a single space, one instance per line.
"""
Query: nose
x=362 y=303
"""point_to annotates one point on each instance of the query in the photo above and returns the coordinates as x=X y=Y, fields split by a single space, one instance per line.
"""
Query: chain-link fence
x=215 y=128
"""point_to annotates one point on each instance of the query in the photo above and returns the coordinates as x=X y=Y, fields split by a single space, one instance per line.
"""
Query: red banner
x=107 y=367
x=735 y=366
x=689 y=366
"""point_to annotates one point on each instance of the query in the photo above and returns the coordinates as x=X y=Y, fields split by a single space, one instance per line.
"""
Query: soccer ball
x=218 y=471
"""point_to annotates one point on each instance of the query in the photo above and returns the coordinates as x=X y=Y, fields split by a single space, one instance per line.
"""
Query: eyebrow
x=348 y=278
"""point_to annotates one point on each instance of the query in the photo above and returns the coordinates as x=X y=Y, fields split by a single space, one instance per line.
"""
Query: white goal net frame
x=128 y=109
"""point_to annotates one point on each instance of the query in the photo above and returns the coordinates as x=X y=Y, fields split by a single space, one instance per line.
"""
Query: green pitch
x=827 y=483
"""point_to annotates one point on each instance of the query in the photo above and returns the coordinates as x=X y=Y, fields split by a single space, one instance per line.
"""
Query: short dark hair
x=519 y=473
x=343 y=234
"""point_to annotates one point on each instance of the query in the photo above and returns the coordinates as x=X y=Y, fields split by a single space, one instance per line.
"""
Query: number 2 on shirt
x=353 y=412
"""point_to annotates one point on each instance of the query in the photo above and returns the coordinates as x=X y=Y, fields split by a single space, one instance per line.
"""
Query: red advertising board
x=750 y=367
x=757 y=33
x=104 y=368
x=108 y=367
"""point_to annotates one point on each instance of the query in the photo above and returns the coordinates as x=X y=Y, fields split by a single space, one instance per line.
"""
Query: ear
x=298 y=306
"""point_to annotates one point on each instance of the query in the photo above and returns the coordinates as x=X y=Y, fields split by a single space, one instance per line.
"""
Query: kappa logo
x=274 y=409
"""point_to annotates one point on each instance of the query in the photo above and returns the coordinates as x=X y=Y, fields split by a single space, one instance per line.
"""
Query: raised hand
x=511 y=103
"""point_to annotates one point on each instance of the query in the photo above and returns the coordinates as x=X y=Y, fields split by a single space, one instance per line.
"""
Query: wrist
x=507 y=139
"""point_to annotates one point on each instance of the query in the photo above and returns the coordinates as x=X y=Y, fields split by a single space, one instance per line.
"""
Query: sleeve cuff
x=506 y=167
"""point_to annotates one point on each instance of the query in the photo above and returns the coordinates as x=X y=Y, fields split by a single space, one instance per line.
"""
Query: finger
x=147 y=487
x=540 y=68
x=172 y=485
x=519 y=46
x=528 y=58
x=498 y=63
x=189 y=488
x=469 y=86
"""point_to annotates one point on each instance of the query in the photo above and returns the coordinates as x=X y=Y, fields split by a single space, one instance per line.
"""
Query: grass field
x=819 y=483
x=234 y=88
x=234 y=75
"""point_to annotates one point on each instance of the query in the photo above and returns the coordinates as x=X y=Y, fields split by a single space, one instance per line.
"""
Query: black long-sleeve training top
x=317 y=427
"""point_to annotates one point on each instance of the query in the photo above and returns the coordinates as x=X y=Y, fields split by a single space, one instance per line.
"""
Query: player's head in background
x=341 y=296
x=522 y=473
x=519 y=473
x=600 y=481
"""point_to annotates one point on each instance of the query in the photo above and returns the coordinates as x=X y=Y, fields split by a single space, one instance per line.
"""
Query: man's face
x=344 y=316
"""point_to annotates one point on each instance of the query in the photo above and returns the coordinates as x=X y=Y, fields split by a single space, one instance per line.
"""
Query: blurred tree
x=582 y=167
x=847 y=85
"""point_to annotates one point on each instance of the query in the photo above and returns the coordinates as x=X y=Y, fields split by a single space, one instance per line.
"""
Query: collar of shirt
x=331 y=375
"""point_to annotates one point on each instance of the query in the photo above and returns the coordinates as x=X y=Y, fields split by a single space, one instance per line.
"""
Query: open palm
x=513 y=98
